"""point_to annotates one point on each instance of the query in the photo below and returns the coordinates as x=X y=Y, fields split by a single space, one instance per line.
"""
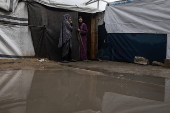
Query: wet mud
x=67 y=89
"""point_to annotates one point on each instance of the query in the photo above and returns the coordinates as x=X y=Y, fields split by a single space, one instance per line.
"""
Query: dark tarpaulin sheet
x=104 y=50
x=45 y=41
x=124 y=47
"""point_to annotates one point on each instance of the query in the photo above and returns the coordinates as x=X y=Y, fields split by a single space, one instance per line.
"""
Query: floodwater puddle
x=77 y=91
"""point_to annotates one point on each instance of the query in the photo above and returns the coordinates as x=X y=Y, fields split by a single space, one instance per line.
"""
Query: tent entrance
x=90 y=21
x=46 y=41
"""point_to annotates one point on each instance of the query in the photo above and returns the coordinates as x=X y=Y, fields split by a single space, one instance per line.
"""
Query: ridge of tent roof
x=61 y=5
x=121 y=2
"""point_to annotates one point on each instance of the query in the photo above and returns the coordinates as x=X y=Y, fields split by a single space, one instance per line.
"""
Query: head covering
x=65 y=35
x=66 y=29
x=80 y=23
x=80 y=17
x=66 y=18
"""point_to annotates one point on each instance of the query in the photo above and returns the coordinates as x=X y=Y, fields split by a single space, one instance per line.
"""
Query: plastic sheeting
x=8 y=5
x=46 y=41
x=15 y=40
x=101 y=18
x=60 y=5
x=168 y=47
x=105 y=51
x=138 y=16
x=124 y=47
x=116 y=103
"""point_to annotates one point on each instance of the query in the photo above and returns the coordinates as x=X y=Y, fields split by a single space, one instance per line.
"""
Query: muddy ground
x=105 y=67
x=43 y=86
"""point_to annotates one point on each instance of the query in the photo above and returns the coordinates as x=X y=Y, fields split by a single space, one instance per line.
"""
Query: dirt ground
x=82 y=87
x=105 y=67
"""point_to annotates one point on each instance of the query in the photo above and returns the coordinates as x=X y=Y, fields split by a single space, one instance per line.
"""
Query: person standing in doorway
x=65 y=39
x=82 y=31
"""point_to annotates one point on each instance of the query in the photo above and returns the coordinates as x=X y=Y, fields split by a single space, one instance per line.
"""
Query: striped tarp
x=15 y=40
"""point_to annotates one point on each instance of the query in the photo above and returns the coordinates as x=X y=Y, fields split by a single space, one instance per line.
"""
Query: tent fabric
x=105 y=52
x=116 y=103
x=8 y=5
x=101 y=18
x=168 y=47
x=124 y=47
x=149 y=46
x=15 y=40
x=139 y=16
x=46 y=40
x=60 y=5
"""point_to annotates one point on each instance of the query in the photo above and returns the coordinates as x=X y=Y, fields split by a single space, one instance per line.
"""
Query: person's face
x=70 y=19
x=80 y=20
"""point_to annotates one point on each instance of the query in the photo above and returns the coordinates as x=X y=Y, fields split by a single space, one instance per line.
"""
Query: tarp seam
x=14 y=18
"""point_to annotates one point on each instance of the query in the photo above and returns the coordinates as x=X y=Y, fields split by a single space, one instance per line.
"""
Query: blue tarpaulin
x=123 y=47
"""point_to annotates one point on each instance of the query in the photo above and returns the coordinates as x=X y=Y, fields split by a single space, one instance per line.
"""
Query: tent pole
x=97 y=4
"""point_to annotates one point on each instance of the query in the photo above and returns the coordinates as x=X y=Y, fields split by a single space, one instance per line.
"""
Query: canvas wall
x=46 y=41
x=139 y=16
x=15 y=40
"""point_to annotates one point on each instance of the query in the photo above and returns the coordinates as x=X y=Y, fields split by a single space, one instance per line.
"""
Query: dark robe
x=65 y=36
x=83 y=41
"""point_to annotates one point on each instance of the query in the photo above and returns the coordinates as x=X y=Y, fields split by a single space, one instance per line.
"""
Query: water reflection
x=14 y=90
x=116 y=103
x=167 y=90
x=80 y=91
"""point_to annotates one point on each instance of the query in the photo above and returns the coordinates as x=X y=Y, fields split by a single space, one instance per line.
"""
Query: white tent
x=8 y=5
x=62 y=5
x=139 y=16
x=16 y=40
x=94 y=4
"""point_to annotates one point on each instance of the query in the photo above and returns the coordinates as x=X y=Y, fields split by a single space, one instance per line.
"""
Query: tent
x=8 y=5
x=136 y=28
x=30 y=28
x=15 y=40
